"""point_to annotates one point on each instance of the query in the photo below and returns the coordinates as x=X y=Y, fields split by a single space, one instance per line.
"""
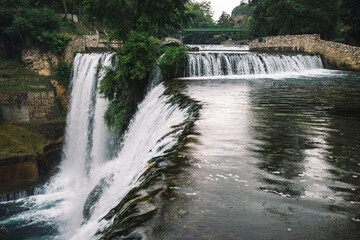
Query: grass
x=72 y=29
x=15 y=77
x=18 y=141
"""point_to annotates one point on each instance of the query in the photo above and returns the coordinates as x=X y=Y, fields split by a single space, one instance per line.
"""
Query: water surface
x=277 y=157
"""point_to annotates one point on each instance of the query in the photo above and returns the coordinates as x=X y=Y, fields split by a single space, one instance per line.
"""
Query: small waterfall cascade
x=226 y=48
x=155 y=78
x=206 y=64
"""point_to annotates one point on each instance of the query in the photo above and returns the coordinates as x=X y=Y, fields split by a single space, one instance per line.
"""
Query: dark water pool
x=275 y=158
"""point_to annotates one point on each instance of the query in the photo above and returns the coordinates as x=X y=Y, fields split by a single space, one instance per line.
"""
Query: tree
x=125 y=81
x=241 y=14
x=201 y=18
x=280 y=17
x=123 y=16
x=135 y=22
x=350 y=16
x=21 y=20
x=201 y=15
x=225 y=21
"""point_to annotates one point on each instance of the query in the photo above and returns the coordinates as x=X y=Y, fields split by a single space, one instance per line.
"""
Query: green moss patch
x=15 y=77
x=17 y=141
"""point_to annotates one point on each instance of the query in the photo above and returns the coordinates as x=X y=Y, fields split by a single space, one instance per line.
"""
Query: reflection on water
x=306 y=131
x=275 y=159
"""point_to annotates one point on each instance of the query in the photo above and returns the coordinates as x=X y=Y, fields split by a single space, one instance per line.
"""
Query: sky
x=218 y=6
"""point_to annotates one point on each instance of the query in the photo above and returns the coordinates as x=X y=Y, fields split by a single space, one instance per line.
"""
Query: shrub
x=40 y=24
x=53 y=42
x=125 y=83
x=173 y=62
x=63 y=73
x=338 y=40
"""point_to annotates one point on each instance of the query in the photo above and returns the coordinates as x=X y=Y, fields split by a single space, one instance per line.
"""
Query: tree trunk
x=65 y=8
x=72 y=10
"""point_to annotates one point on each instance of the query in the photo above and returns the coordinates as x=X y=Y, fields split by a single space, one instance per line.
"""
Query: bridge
x=227 y=32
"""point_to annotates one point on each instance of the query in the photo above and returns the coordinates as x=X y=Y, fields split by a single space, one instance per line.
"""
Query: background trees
x=281 y=17
x=350 y=15
x=202 y=16
x=22 y=21
x=135 y=23
x=225 y=21
x=334 y=19
x=122 y=16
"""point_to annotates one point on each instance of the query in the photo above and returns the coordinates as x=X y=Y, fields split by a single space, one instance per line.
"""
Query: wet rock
x=170 y=44
x=194 y=49
x=93 y=198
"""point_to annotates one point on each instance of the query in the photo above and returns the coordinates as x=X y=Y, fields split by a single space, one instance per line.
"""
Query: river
x=246 y=146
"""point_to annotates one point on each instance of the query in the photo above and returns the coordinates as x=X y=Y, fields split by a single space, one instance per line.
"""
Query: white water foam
x=306 y=74
x=208 y=64
x=152 y=121
x=210 y=47
x=88 y=184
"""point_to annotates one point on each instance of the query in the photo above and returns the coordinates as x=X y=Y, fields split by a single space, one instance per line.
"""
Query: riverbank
x=31 y=127
x=334 y=55
x=29 y=150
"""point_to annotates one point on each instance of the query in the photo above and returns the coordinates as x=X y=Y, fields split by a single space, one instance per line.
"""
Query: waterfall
x=93 y=185
x=210 y=47
x=94 y=174
x=217 y=64
x=155 y=78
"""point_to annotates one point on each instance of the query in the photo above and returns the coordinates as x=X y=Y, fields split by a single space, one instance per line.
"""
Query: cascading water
x=156 y=182
x=205 y=64
x=222 y=48
x=86 y=140
x=92 y=179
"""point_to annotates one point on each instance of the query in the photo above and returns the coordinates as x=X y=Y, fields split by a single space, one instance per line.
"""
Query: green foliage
x=242 y=15
x=53 y=42
x=68 y=26
x=15 y=77
x=225 y=21
x=124 y=84
x=124 y=16
x=19 y=22
x=350 y=15
x=243 y=9
x=338 y=40
x=331 y=19
x=16 y=140
x=135 y=22
x=201 y=15
x=63 y=73
x=61 y=108
x=32 y=21
x=201 y=18
x=281 y=17
x=173 y=62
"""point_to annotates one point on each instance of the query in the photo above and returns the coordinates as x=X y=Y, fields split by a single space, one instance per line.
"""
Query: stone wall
x=75 y=45
x=28 y=106
x=38 y=61
x=44 y=63
x=334 y=55
x=89 y=44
